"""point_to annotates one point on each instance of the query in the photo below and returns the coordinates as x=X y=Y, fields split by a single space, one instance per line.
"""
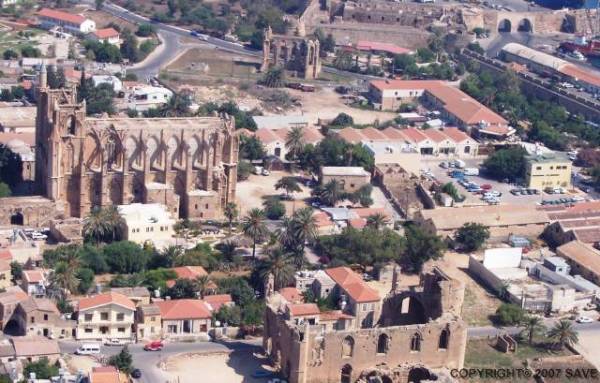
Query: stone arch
x=155 y=152
x=195 y=148
x=116 y=192
x=346 y=374
x=175 y=151
x=17 y=219
x=113 y=152
x=444 y=339
x=94 y=160
x=419 y=374
x=347 y=347
x=525 y=25
x=383 y=343
x=504 y=26
x=137 y=190
x=415 y=342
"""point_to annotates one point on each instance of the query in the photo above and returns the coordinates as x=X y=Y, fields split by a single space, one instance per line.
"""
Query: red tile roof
x=465 y=108
x=351 y=135
x=333 y=316
x=62 y=16
x=218 y=300
x=435 y=135
x=304 y=309
x=357 y=223
x=106 y=33
x=189 y=272
x=373 y=134
x=106 y=299
x=414 y=134
x=104 y=374
x=581 y=74
x=353 y=284
x=291 y=294
x=456 y=134
x=382 y=47
x=5 y=254
x=406 y=84
x=183 y=309
x=33 y=276
x=394 y=133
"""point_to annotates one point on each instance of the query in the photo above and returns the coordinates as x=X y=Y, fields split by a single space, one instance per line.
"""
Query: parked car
x=471 y=171
x=583 y=319
x=154 y=346
x=115 y=342
x=486 y=186
x=265 y=172
x=38 y=236
x=136 y=373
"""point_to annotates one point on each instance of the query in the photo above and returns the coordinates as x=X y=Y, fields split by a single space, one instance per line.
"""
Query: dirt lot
x=252 y=192
x=479 y=304
x=200 y=63
x=235 y=367
x=102 y=19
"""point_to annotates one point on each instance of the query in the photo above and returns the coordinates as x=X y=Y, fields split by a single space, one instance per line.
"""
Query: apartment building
x=548 y=170
x=105 y=316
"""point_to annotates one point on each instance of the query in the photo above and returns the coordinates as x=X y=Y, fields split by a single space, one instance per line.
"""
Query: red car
x=486 y=186
x=154 y=346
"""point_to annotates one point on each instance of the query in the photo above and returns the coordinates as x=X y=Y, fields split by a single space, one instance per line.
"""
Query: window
x=88 y=317
x=382 y=344
x=172 y=329
x=415 y=342
x=196 y=206
x=347 y=347
x=32 y=320
x=364 y=307
x=121 y=329
x=444 y=337
x=45 y=316
x=206 y=206
x=120 y=317
x=88 y=330
x=538 y=168
x=153 y=319
x=103 y=316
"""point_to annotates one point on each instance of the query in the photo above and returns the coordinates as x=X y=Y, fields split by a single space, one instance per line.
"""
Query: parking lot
x=441 y=174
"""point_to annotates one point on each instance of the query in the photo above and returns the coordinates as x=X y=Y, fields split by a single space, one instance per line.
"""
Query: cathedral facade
x=187 y=164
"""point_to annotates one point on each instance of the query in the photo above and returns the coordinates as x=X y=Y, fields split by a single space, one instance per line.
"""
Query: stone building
x=188 y=164
x=406 y=336
x=296 y=53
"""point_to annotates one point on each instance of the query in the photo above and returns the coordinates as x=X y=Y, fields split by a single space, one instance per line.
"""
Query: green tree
x=10 y=54
x=343 y=60
x=56 y=77
x=30 y=51
x=563 y=334
x=509 y=314
x=294 y=142
x=253 y=226
x=533 y=325
x=16 y=270
x=506 y=163
x=342 y=120
x=123 y=361
x=278 y=264
x=183 y=289
x=129 y=46
x=251 y=148
x=377 y=221
x=304 y=229
x=125 y=257
x=102 y=225
x=289 y=185
x=274 y=208
x=244 y=170
x=5 y=190
x=273 y=78
x=472 y=236
x=86 y=280
x=64 y=278
x=231 y=212
x=42 y=369
x=203 y=283
x=11 y=168
x=421 y=246
x=330 y=193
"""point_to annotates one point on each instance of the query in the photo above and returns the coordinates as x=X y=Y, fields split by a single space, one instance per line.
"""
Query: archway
x=347 y=347
x=444 y=338
x=13 y=328
x=346 y=374
x=382 y=344
x=418 y=374
x=386 y=379
x=504 y=26
x=525 y=26
x=16 y=219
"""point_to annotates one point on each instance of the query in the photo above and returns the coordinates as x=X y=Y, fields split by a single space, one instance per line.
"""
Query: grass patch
x=473 y=312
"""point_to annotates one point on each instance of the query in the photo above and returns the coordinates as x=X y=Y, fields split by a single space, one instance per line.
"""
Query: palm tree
x=202 y=284
x=532 y=325
x=94 y=226
x=254 y=227
x=113 y=220
x=285 y=234
x=64 y=277
x=304 y=230
x=377 y=220
x=171 y=253
x=288 y=184
x=274 y=78
x=294 y=142
x=563 y=334
x=331 y=192
x=231 y=212
x=280 y=265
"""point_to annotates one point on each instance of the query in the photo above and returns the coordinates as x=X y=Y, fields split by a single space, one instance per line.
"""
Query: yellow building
x=548 y=170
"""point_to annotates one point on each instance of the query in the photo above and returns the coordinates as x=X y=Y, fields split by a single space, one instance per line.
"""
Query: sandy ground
x=326 y=104
x=83 y=363
x=478 y=304
x=236 y=367
x=252 y=192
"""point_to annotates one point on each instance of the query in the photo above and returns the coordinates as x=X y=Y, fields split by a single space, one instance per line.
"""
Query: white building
x=117 y=85
x=78 y=24
x=145 y=97
x=146 y=222
x=273 y=140
x=278 y=122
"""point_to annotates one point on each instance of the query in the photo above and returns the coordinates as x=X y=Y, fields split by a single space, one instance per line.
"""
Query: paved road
x=489 y=331
x=148 y=361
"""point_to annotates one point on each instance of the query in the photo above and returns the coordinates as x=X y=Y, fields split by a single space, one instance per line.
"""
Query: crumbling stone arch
x=348 y=347
x=525 y=25
x=505 y=26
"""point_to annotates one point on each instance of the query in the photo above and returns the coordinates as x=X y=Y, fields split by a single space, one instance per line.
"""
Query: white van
x=88 y=349
x=471 y=171
x=459 y=164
